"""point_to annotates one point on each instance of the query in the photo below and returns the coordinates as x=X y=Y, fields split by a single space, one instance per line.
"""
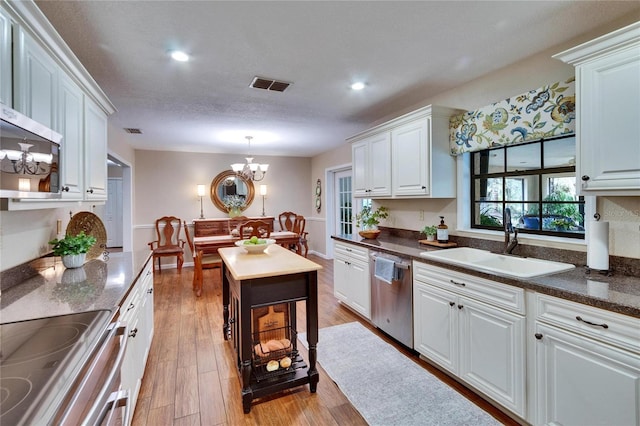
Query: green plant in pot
x=73 y=248
x=368 y=220
x=430 y=231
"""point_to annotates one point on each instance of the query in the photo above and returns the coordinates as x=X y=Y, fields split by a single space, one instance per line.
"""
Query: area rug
x=385 y=386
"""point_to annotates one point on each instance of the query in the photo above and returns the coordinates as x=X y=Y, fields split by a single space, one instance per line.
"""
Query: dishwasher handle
x=399 y=263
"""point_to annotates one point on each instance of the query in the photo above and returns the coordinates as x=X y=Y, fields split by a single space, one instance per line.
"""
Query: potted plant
x=368 y=220
x=234 y=204
x=430 y=231
x=73 y=248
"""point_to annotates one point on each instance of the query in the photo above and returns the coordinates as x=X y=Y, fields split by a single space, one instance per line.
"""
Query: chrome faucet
x=509 y=243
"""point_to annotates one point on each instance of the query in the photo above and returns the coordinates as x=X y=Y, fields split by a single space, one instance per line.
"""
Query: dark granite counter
x=618 y=293
x=55 y=290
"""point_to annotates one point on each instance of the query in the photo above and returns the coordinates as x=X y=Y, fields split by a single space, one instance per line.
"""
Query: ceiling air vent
x=133 y=130
x=269 y=84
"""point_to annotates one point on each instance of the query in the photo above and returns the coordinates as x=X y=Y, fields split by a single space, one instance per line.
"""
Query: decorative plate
x=91 y=225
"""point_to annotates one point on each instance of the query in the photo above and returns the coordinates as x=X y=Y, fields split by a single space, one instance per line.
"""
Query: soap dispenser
x=442 y=232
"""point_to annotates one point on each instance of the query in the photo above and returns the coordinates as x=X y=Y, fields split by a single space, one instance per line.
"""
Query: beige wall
x=165 y=184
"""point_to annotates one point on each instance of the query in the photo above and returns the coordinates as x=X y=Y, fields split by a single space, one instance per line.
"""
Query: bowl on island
x=255 y=245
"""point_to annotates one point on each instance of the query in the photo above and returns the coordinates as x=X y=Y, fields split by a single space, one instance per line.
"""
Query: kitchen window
x=535 y=182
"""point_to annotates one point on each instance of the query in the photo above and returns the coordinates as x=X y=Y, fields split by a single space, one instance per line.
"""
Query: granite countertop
x=99 y=284
x=618 y=293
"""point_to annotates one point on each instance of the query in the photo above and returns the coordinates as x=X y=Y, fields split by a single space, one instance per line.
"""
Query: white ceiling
x=405 y=51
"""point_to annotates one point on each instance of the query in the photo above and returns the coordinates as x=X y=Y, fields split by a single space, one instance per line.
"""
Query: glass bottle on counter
x=442 y=232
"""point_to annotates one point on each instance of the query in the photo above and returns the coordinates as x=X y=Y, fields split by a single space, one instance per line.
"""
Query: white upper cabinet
x=608 y=107
x=70 y=126
x=6 y=92
x=35 y=79
x=406 y=157
x=372 y=166
x=95 y=151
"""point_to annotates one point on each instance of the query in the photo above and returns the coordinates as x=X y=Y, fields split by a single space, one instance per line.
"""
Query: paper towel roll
x=598 y=245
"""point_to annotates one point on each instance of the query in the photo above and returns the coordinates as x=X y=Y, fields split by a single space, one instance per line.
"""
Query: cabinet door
x=95 y=147
x=435 y=325
x=583 y=382
x=360 y=160
x=608 y=108
x=492 y=355
x=341 y=279
x=35 y=76
x=361 y=288
x=6 y=77
x=411 y=158
x=70 y=114
x=380 y=165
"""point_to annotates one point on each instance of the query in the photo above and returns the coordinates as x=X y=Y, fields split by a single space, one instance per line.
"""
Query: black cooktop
x=39 y=361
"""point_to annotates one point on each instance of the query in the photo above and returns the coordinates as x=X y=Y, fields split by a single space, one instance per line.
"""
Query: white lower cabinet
x=587 y=365
x=481 y=342
x=351 y=282
x=137 y=313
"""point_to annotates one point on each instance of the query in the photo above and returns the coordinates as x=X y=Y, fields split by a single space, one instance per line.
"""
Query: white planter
x=74 y=260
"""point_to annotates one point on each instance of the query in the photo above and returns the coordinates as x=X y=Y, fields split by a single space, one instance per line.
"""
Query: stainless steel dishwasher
x=392 y=304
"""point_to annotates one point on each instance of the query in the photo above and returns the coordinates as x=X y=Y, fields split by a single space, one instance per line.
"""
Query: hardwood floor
x=191 y=377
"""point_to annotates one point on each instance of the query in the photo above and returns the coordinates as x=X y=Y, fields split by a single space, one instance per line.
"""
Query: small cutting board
x=437 y=244
x=271 y=321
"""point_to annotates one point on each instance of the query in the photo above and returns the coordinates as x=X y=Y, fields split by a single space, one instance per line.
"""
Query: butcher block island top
x=275 y=261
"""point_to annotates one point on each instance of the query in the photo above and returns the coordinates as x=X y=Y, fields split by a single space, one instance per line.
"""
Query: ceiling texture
x=405 y=52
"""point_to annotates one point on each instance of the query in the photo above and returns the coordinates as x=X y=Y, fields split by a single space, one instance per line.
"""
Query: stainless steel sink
x=499 y=264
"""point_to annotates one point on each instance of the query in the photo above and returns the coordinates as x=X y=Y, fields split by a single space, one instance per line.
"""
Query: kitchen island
x=258 y=280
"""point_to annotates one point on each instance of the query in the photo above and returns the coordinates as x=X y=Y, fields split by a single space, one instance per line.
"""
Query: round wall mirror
x=229 y=183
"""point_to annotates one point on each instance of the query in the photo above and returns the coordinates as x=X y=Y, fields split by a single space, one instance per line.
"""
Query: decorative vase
x=73 y=260
x=235 y=212
x=431 y=237
x=369 y=232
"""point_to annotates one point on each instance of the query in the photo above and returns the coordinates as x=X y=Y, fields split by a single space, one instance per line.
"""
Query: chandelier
x=25 y=162
x=250 y=170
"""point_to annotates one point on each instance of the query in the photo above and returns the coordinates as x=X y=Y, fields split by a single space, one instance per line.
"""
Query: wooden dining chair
x=201 y=261
x=298 y=228
x=168 y=242
x=256 y=228
x=287 y=220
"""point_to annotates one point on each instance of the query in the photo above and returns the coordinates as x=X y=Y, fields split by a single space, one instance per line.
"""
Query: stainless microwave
x=29 y=157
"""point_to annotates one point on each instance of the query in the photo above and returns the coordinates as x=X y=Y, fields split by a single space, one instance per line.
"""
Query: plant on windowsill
x=368 y=220
x=73 y=248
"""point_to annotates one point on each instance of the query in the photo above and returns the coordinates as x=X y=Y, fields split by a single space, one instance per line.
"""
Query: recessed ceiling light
x=177 y=55
x=357 y=85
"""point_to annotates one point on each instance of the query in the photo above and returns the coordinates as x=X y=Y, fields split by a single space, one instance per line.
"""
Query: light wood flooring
x=191 y=378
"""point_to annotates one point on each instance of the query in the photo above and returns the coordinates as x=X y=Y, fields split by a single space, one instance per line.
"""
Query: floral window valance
x=538 y=114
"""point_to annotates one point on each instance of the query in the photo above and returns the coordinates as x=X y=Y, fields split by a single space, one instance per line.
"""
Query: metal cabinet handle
x=150 y=290
x=538 y=336
x=457 y=283
x=424 y=187
x=90 y=191
x=585 y=178
x=65 y=189
x=452 y=303
x=460 y=306
x=133 y=332
x=592 y=323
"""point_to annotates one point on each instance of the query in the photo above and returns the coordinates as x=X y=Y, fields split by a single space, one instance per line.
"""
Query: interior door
x=343 y=203
x=113 y=212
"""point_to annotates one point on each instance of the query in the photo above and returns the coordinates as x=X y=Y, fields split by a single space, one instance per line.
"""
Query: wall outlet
x=421 y=215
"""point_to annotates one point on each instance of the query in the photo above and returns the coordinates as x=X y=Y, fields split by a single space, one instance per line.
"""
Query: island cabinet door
x=580 y=381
